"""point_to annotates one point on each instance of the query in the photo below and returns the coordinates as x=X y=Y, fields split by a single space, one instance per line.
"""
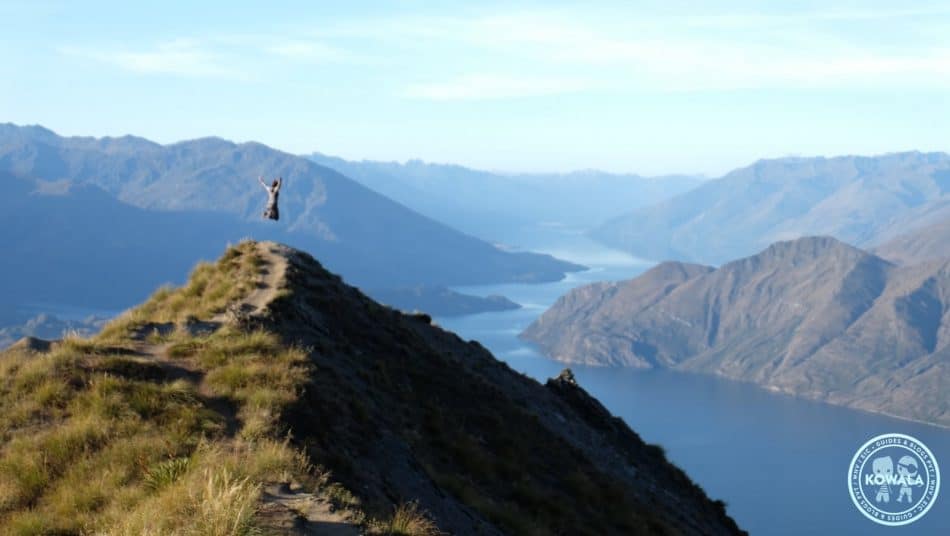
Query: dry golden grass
x=210 y=289
x=408 y=519
x=96 y=439
x=214 y=498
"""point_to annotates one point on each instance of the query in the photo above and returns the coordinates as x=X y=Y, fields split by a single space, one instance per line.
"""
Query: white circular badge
x=894 y=479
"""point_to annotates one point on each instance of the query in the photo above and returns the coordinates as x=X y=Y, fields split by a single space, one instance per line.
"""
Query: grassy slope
x=145 y=430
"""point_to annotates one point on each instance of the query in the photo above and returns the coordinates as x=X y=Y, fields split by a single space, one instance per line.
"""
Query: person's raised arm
x=260 y=179
x=280 y=182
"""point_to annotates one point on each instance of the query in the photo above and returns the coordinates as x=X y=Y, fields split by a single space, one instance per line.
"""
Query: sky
x=642 y=87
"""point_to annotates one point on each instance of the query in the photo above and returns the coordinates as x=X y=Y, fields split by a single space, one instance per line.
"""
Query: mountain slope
x=812 y=317
x=920 y=245
x=860 y=200
x=186 y=398
x=512 y=208
x=370 y=239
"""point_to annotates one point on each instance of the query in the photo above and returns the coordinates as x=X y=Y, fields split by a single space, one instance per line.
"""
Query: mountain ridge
x=294 y=381
x=513 y=208
x=372 y=240
x=167 y=205
x=856 y=199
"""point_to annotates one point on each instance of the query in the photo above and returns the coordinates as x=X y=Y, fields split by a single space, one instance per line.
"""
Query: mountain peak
x=810 y=247
x=27 y=132
x=205 y=143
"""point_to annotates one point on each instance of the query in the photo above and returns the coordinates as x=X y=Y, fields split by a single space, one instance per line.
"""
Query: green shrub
x=164 y=473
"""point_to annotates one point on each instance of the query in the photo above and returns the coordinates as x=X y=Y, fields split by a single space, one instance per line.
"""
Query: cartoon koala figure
x=883 y=466
x=907 y=468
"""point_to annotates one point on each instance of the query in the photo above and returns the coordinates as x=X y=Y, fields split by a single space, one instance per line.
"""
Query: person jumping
x=271 y=212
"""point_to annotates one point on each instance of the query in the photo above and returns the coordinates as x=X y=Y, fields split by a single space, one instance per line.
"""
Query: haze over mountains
x=518 y=209
x=128 y=213
x=863 y=201
x=812 y=317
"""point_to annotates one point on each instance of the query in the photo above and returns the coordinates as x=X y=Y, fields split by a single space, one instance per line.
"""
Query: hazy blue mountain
x=919 y=245
x=67 y=243
x=860 y=200
x=812 y=317
x=164 y=205
x=519 y=209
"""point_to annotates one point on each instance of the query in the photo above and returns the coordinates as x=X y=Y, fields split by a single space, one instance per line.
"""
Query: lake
x=779 y=462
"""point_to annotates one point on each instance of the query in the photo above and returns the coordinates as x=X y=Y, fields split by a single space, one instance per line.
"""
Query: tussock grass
x=408 y=519
x=253 y=369
x=225 y=505
x=80 y=445
x=210 y=289
x=95 y=439
x=215 y=492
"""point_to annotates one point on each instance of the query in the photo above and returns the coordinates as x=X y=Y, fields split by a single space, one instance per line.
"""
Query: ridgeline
x=267 y=396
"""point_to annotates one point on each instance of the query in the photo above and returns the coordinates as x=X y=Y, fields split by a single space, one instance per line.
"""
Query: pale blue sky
x=647 y=87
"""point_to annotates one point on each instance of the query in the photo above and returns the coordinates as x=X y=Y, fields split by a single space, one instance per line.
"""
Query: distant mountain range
x=518 y=209
x=102 y=221
x=861 y=200
x=812 y=317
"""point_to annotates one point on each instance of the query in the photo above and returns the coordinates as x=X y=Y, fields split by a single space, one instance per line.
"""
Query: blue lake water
x=779 y=462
